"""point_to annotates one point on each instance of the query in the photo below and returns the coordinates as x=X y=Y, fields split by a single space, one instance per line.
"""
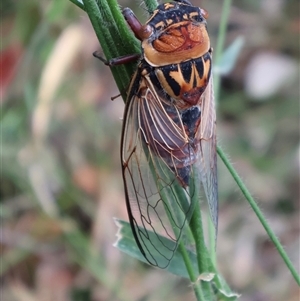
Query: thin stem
x=220 y=43
x=259 y=214
x=190 y=270
x=111 y=30
x=202 y=290
x=201 y=250
x=212 y=241
x=217 y=81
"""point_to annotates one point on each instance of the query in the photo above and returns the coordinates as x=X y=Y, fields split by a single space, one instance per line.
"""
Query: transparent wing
x=208 y=162
x=156 y=153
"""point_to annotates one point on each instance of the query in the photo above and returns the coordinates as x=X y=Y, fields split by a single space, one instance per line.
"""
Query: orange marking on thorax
x=189 y=43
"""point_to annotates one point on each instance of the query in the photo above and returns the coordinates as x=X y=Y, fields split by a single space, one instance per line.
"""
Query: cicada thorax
x=185 y=82
x=179 y=49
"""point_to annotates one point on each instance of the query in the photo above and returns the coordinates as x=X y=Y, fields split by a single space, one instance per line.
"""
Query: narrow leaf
x=126 y=243
x=229 y=57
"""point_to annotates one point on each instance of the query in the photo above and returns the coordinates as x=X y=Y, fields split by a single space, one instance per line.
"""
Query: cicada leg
x=128 y=58
x=140 y=31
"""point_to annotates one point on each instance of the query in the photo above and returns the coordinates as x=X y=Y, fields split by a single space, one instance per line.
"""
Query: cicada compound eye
x=204 y=13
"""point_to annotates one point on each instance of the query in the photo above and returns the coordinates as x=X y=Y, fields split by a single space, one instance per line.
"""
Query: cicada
x=168 y=147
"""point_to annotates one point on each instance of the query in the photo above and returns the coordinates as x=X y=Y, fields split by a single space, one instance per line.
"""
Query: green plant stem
x=190 y=270
x=259 y=214
x=217 y=82
x=201 y=250
x=212 y=242
x=220 y=44
x=197 y=230
x=202 y=290
x=114 y=36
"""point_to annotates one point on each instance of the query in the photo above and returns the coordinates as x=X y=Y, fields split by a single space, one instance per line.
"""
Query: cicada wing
x=158 y=205
x=208 y=158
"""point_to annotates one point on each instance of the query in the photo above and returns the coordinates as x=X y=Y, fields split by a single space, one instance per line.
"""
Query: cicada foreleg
x=117 y=62
x=140 y=31
x=128 y=58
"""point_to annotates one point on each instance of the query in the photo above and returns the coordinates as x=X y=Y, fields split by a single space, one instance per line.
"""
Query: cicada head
x=175 y=32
